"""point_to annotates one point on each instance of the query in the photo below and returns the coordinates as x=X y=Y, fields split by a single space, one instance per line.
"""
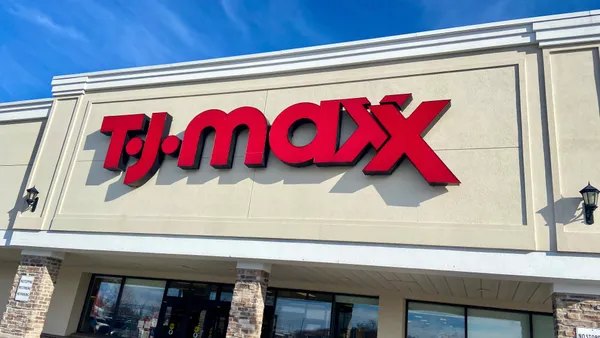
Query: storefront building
x=423 y=186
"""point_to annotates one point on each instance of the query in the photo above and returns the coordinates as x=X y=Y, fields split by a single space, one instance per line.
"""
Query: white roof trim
x=544 y=31
x=25 y=110
x=532 y=266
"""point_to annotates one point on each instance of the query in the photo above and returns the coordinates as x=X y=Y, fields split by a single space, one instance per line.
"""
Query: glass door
x=193 y=318
x=174 y=319
x=209 y=321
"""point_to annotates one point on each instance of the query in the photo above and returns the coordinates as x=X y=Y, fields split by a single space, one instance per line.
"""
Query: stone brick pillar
x=248 y=302
x=28 y=303
x=575 y=307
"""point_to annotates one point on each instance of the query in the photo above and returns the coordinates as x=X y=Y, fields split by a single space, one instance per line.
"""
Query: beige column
x=31 y=293
x=248 y=302
x=391 y=315
x=67 y=303
x=576 y=310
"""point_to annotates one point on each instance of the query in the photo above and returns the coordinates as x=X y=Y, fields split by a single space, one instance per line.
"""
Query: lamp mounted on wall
x=590 y=202
x=32 y=198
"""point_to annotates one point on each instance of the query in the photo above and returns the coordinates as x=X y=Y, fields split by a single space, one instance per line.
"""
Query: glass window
x=269 y=315
x=497 y=324
x=543 y=326
x=99 y=311
x=139 y=307
x=226 y=293
x=193 y=290
x=270 y=298
x=433 y=321
x=356 y=317
x=296 y=316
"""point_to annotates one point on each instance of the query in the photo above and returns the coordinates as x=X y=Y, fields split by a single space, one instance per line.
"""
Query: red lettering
x=121 y=129
x=368 y=132
x=380 y=127
x=406 y=140
x=227 y=128
x=322 y=146
x=150 y=158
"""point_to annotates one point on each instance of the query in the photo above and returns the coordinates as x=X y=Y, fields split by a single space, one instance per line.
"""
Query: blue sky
x=43 y=38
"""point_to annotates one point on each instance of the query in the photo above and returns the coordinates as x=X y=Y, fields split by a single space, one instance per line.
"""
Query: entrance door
x=208 y=322
x=189 y=318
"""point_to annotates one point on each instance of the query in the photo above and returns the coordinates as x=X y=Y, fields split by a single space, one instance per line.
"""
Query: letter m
x=227 y=128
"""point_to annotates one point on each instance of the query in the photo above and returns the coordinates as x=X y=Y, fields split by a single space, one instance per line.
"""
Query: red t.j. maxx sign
x=382 y=127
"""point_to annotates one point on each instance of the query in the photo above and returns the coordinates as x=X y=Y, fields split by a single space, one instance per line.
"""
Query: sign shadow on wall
x=405 y=187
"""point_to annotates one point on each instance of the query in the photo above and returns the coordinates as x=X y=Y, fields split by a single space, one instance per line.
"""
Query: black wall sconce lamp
x=32 y=198
x=590 y=202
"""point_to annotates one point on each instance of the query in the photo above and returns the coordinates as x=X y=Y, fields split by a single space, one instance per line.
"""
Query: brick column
x=25 y=318
x=248 y=302
x=575 y=307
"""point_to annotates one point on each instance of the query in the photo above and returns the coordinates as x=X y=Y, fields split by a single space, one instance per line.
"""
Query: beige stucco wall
x=573 y=89
x=512 y=136
x=67 y=301
x=392 y=316
x=18 y=142
x=484 y=138
x=7 y=276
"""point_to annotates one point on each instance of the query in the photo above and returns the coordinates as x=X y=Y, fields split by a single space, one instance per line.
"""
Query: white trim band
x=25 y=110
x=527 y=266
x=254 y=266
x=544 y=31
x=578 y=289
x=43 y=253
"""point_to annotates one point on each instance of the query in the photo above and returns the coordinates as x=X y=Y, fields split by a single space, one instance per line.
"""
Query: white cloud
x=35 y=16
x=231 y=10
x=272 y=21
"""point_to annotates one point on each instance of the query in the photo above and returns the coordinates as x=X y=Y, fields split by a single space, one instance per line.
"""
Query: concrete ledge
x=25 y=110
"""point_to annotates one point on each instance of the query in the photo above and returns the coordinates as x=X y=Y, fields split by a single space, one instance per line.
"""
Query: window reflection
x=543 y=326
x=356 y=317
x=497 y=324
x=101 y=305
x=139 y=307
x=298 y=317
x=192 y=290
x=435 y=321
x=130 y=307
x=443 y=321
x=226 y=293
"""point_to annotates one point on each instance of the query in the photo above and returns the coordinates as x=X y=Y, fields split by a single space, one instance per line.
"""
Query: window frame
x=332 y=323
x=466 y=313
x=121 y=287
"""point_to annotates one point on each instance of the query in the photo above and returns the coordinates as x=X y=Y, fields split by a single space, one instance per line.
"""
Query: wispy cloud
x=172 y=22
x=40 y=39
x=273 y=21
x=35 y=16
x=231 y=9
x=297 y=19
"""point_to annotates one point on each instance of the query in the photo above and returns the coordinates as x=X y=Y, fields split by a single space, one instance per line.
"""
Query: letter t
x=120 y=129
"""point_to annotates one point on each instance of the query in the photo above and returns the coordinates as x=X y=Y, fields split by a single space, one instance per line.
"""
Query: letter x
x=406 y=140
